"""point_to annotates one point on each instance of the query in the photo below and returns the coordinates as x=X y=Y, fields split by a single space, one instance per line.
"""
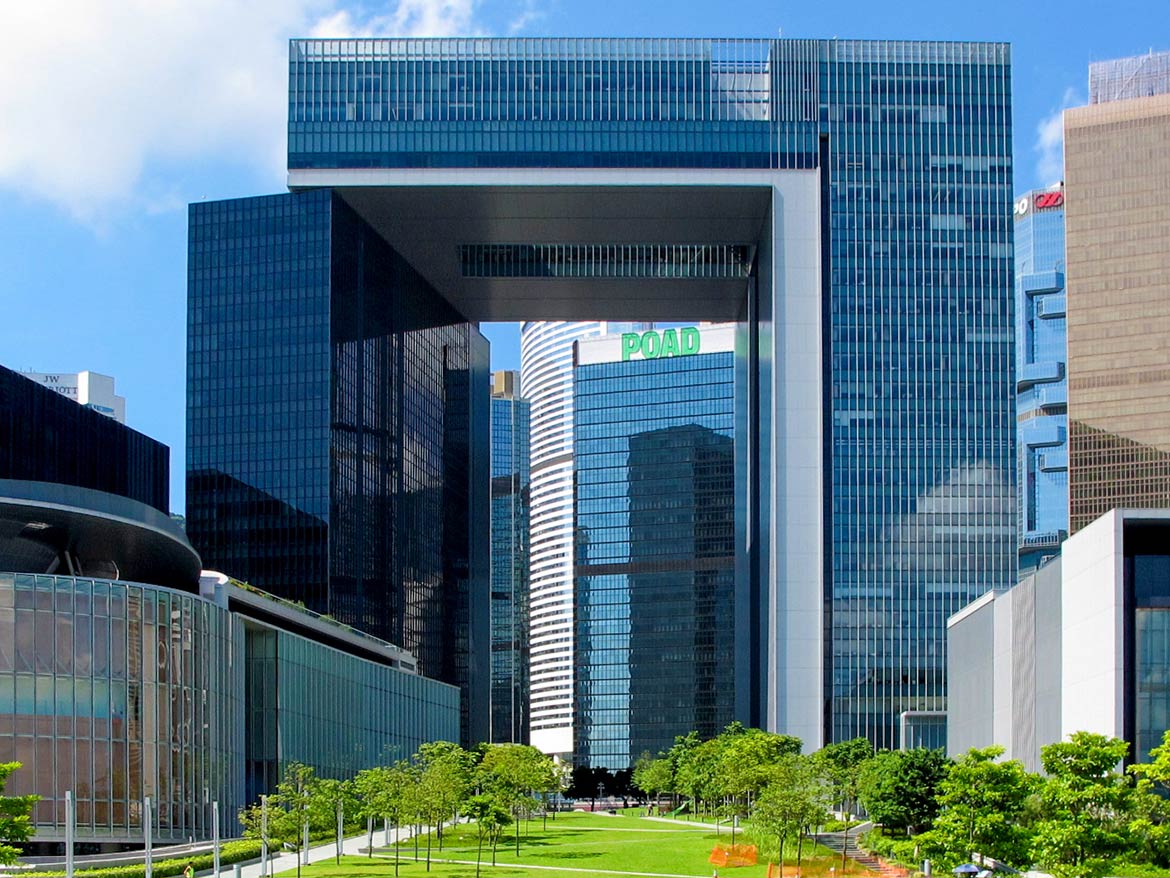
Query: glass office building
x=1041 y=377
x=655 y=561
x=847 y=203
x=48 y=437
x=119 y=690
x=336 y=432
x=510 y=559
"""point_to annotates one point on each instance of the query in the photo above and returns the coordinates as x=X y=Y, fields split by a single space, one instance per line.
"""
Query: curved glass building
x=546 y=381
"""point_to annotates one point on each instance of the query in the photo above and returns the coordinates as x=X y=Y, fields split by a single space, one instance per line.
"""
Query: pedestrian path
x=287 y=861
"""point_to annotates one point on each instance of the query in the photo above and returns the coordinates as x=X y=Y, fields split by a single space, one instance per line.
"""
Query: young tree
x=982 y=806
x=290 y=812
x=793 y=798
x=490 y=816
x=841 y=764
x=899 y=788
x=444 y=781
x=15 y=817
x=1086 y=805
x=332 y=801
x=513 y=772
x=747 y=758
x=653 y=776
x=697 y=773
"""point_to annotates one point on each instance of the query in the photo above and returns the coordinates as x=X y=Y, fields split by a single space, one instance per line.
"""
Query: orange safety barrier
x=733 y=855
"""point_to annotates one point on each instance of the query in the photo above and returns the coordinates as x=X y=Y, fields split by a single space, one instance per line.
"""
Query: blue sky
x=117 y=114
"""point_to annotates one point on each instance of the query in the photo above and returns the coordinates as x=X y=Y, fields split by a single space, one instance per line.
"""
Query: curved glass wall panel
x=118 y=691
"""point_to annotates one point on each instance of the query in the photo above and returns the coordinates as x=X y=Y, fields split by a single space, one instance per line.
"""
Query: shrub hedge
x=229 y=852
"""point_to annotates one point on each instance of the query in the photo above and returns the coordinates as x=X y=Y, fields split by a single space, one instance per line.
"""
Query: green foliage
x=748 y=757
x=982 y=806
x=1085 y=805
x=491 y=816
x=15 y=817
x=899 y=788
x=653 y=776
x=896 y=849
x=793 y=798
x=230 y=852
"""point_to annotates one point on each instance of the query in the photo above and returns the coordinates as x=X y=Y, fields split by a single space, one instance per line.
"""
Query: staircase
x=834 y=841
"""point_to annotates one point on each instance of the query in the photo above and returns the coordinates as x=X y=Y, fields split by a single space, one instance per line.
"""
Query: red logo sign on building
x=1047 y=200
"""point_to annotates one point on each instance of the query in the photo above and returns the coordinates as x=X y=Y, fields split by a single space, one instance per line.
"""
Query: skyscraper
x=846 y=203
x=510 y=505
x=89 y=389
x=546 y=377
x=1041 y=379
x=337 y=430
x=1117 y=180
x=655 y=521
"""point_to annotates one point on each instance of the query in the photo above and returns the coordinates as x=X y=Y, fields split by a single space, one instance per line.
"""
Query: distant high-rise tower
x=89 y=389
x=1117 y=180
x=509 y=559
x=656 y=598
x=546 y=381
x=1041 y=382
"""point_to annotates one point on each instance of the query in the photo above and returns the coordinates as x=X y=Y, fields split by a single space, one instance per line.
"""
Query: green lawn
x=601 y=843
x=574 y=845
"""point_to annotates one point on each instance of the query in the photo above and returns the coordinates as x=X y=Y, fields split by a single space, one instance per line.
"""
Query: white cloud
x=529 y=14
x=100 y=98
x=1049 y=144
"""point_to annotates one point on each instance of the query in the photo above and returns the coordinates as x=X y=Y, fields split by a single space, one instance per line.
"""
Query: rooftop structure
x=1122 y=79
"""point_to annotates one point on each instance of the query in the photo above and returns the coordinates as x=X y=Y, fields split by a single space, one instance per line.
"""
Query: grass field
x=577 y=844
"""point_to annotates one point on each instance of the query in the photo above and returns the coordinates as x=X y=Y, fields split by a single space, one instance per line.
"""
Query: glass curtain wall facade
x=115 y=691
x=510 y=503
x=912 y=144
x=313 y=704
x=655 y=555
x=47 y=437
x=118 y=690
x=334 y=447
x=1041 y=379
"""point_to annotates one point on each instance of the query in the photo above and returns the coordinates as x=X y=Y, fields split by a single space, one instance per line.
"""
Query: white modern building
x=89 y=389
x=1083 y=644
x=546 y=380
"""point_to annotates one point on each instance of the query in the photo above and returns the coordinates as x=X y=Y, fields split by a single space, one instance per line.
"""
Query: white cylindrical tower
x=546 y=381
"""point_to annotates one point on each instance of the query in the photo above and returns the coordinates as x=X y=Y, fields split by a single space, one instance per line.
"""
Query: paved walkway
x=287 y=861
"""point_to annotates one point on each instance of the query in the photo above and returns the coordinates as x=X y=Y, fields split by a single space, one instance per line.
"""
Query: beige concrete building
x=1117 y=187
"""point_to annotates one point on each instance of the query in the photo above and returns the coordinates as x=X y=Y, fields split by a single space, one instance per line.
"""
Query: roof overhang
x=427 y=215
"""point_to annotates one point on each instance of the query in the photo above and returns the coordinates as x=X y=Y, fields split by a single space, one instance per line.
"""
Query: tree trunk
x=479 y=854
x=845 y=846
x=799 y=848
x=370 y=838
x=517 y=835
x=429 y=836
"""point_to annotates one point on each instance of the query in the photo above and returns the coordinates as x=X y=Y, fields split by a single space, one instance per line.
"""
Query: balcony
x=1039 y=373
x=1052 y=306
x=1052 y=461
x=1042 y=432
x=1051 y=395
x=1042 y=282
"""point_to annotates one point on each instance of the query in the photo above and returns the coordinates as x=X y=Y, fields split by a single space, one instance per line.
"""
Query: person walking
x=189 y=870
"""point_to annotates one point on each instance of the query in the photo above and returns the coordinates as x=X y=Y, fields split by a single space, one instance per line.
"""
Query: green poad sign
x=667 y=343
